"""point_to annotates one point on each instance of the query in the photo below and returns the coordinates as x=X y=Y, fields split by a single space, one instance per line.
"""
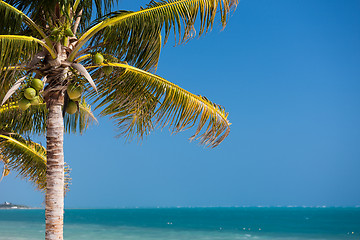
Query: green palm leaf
x=11 y=19
x=28 y=159
x=142 y=28
x=16 y=49
x=139 y=44
x=31 y=121
x=25 y=157
x=138 y=100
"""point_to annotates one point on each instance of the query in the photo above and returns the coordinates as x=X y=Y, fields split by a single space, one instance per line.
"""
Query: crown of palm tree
x=131 y=43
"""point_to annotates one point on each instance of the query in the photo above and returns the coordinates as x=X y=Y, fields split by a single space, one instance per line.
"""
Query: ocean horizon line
x=193 y=207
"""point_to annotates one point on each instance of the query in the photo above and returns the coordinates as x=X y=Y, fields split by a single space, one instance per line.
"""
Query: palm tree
x=111 y=60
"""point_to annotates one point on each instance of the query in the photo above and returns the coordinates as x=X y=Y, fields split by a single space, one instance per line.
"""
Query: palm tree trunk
x=54 y=199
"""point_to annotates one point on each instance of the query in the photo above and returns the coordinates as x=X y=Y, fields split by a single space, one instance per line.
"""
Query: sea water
x=189 y=223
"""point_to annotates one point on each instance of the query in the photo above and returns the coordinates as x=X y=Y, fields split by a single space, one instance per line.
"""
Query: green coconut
x=71 y=108
x=30 y=93
x=35 y=101
x=77 y=99
x=74 y=91
x=68 y=32
x=55 y=31
x=24 y=104
x=98 y=58
x=37 y=84
x=107 y=70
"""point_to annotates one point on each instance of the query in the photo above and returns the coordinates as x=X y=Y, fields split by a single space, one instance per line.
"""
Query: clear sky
x=288 y=73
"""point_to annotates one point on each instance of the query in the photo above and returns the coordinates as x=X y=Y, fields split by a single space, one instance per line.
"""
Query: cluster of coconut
x=98 y=59
x=30 y=95
x=58 y=33
x=74 y=91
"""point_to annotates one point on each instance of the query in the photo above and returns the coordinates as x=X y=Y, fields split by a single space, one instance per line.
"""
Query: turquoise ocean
x=189 y=223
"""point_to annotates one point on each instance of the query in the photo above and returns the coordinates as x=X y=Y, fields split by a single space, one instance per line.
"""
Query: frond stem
x=23 y=146
x=79 y=59
x=134 y=69
x=26 y=38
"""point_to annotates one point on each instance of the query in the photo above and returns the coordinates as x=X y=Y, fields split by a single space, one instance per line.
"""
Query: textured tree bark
x=54 y=199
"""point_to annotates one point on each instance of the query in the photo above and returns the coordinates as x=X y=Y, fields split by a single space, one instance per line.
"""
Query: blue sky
x=288 y=74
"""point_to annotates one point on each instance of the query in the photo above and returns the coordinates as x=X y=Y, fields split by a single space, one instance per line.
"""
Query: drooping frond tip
x=28 y=159
x=139 y=100
x=25 y=157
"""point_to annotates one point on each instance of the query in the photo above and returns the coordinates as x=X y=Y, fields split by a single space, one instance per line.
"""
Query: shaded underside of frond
x=26 y=157
x=30 y=121
x=10 y=20
x=42 y=11
x=15 y=50
x=33 y=120
x=138 y=100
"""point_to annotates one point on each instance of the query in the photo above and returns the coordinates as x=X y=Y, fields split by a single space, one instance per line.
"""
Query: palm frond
x=33 y=120
x=87 y=6
x=143 y=27
x=40 y=11
x=139 y=100
x=15 y=49
x=139 y=45
x=28 y=159
x=11 y=19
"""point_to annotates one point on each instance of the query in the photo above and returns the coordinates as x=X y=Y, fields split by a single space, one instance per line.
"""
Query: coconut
x=30 y=93
x=35 y=101
x=37 y=84
x=24 y=104
x=68 y=32
x=71 y=107
x=74 y=91
x=77 y=99
x=98 y=58
x=107 y=70
x=55 y=31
